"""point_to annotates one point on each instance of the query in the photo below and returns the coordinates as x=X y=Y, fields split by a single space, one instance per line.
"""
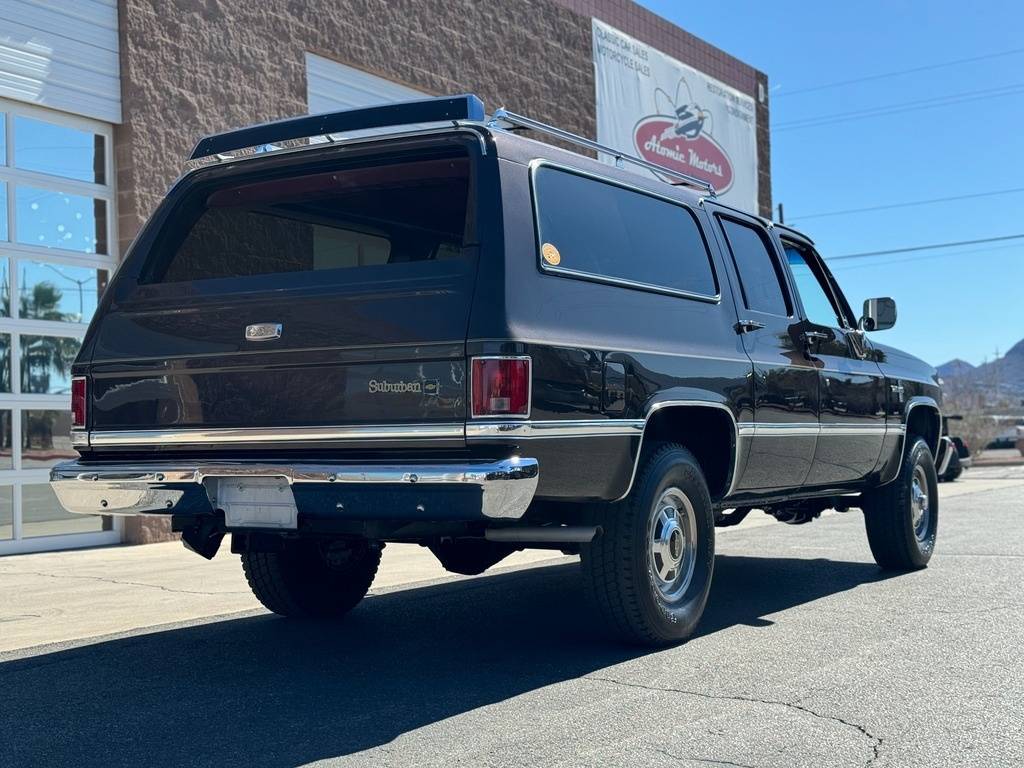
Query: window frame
x=537 y=164
x=782 y=272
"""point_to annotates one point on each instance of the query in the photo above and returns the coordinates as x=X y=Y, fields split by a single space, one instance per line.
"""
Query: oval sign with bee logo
x=680 y=144
x=550 y=254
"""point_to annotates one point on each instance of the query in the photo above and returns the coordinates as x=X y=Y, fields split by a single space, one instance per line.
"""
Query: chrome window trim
x=539 y=163
x=529 y=388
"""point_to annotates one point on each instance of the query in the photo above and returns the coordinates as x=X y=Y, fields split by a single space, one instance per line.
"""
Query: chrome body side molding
x=529 y=430
x=507 y=485
x=804 y=429
x=274 y=435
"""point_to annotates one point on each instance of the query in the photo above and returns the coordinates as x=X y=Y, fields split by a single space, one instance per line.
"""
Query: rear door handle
x=746 y=326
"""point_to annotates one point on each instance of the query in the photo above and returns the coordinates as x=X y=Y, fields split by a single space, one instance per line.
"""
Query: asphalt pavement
x=808 y=655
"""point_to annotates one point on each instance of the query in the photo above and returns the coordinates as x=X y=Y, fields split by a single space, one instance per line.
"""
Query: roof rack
x=511 y=118
x=441 y=109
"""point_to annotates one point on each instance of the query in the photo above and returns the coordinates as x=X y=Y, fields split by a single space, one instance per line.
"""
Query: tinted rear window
x=341 y=219
x=759 y=271
x=604 y=231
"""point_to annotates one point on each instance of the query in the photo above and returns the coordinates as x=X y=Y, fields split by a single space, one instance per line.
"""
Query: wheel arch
x=706 y=428
x=923 y=418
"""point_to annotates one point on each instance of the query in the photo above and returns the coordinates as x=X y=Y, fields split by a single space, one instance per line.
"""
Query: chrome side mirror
x=879 y=315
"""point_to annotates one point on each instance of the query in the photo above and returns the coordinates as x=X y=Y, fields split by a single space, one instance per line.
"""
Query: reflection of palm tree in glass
x=81 y=292
x=43 y=356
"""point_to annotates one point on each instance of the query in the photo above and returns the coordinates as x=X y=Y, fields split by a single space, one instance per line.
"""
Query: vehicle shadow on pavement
x=266 y=691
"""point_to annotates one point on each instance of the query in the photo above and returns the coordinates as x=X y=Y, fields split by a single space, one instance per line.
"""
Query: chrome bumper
x=506 y=486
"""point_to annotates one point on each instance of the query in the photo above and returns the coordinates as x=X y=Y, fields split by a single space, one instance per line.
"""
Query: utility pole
x=782 y=219
x=995 y=367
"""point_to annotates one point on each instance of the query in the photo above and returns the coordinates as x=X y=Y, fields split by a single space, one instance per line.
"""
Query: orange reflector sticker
x=550 y=254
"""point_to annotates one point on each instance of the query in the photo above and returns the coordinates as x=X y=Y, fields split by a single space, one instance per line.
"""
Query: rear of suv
x=449 y=334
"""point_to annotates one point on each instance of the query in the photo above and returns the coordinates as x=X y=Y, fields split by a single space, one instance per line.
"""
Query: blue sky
x=958 y=302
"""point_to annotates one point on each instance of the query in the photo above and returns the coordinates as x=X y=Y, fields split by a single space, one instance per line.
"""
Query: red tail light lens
x=501 y=386
x=78 y=402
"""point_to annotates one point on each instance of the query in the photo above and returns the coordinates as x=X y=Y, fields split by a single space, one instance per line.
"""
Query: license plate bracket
x=255 y=502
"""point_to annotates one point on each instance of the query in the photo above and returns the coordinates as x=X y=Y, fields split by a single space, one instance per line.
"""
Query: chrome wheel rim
x=919 y=503
x=672 y=544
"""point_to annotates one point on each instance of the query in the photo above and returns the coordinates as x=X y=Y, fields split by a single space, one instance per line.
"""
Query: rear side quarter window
x=594 y=229
x=761 y=278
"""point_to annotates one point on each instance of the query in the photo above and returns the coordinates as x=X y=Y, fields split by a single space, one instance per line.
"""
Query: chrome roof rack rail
x=511 y=118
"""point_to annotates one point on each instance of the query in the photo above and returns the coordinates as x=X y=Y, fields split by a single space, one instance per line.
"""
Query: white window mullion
x=15 y=363
x=16 y=438
x=59 y=256
x=56 y=183
x=17 y=528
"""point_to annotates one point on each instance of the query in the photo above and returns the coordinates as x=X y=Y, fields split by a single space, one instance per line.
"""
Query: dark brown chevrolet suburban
x=448 y=333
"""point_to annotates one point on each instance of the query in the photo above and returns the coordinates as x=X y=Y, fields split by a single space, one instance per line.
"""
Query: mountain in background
x=1008 y=371
x=955 y=367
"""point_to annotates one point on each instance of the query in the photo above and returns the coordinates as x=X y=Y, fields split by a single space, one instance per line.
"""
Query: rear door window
x=598 y=230
x=761 y=279
x=317 y=222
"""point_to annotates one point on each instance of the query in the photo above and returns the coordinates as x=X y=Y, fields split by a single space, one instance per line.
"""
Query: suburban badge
x=263 y=331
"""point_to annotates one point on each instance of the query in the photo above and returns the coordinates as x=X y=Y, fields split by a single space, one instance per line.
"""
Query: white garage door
x=62 y=55
x=331 y=87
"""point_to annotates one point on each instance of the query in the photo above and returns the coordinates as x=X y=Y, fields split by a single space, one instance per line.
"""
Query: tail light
x=500 y=386
x=78 y=401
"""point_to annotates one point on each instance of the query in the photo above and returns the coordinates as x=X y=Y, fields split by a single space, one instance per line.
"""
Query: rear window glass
x=603 y=231
x=341 y=219
x=760 y=275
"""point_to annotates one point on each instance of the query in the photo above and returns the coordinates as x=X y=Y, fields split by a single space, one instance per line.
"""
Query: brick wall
x=191 y=67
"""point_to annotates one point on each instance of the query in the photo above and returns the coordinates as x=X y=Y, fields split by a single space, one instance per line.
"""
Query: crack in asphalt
x=705 y=760
x=876 y=746
x=121 y=582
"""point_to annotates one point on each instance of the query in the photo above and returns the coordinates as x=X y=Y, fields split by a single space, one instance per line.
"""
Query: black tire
x=954 y=470
x=312 y=578
x=889 y=517
x=620 y=566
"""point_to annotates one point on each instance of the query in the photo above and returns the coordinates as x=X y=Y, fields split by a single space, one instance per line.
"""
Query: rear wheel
x=902 y=517
x=649 y=572
x=312 y=578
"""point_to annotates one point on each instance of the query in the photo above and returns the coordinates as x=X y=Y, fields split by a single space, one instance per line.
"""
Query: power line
x=907 y=259
x=895 y=109
x=912 y=70
x=909 y=249
x=910 y=204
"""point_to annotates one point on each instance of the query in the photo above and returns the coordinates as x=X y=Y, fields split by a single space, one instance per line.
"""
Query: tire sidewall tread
x=616 y=567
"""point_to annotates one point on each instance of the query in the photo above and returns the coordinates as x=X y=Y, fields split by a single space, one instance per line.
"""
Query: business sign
x=668 y=113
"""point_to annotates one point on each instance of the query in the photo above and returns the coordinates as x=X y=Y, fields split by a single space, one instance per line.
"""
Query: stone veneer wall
x=191 y=67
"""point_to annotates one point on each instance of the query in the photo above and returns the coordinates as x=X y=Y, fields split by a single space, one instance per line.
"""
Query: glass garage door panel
x=45 y=439
x=46 y=364
x=57 y=251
